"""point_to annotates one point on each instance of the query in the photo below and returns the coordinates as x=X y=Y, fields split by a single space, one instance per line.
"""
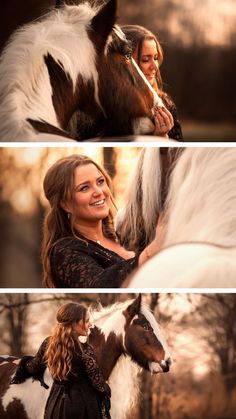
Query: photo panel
x=169 y=219
x=66 y=64
x=163 y=355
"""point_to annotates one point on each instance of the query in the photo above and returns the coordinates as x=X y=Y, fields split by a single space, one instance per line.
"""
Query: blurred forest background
x=23 y=205
x=199 y=42
x=201 y=333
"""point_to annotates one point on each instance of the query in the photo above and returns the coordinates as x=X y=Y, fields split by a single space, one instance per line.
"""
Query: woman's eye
x=101 y=181
x=84 y=188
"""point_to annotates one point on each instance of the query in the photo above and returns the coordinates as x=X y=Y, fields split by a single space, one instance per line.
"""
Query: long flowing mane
x=31 y=97
x=146 y=196
x=202 y=197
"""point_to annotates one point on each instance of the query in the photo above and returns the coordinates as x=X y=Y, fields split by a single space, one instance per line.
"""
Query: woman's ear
x=66 y=206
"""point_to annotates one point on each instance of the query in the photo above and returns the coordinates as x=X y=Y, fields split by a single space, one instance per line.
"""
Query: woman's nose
x=154 y=65
x=96 y=190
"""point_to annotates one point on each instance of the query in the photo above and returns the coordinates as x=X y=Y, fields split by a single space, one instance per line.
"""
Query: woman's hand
x=163 y=121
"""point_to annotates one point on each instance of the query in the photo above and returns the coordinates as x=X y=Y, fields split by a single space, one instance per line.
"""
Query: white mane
x=25 y=90
x=202 y=197
x=145 y=183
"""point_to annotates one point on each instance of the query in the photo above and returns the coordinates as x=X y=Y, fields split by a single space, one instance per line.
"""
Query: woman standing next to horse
x=148 y=54
x=79 y=389
x=80 y=246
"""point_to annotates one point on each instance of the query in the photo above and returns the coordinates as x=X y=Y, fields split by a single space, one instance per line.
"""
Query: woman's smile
x=98 y=203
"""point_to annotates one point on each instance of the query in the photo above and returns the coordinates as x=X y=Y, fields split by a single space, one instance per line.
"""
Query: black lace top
x=84 y=364
x=79 y=264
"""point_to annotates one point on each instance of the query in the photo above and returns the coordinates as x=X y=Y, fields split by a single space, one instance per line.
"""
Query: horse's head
x=72 y=59
x=143 y=340
x=126 y=96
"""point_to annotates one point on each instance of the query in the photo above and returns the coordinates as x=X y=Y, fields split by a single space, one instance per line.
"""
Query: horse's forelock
x=111 y=319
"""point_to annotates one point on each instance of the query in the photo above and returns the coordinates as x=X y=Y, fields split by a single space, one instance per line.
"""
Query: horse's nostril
x=165 y=366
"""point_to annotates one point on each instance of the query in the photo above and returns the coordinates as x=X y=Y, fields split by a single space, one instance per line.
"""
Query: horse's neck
x=107 y=350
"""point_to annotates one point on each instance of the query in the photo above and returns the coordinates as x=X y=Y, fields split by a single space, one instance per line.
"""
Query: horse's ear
x=134 y=308
x=103 y=22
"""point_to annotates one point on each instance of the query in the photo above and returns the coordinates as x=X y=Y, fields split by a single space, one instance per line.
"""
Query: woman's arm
x=30 y=366
x=94 y=372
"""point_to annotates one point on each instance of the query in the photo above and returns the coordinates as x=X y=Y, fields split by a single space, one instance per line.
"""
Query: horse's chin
x=156 y=367
x=143 y=125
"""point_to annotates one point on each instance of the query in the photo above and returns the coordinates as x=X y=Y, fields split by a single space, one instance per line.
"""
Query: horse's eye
x=128 y=56
x=146 y=327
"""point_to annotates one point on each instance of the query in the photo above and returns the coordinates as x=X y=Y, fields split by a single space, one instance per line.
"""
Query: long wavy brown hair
x=137 y=35
x=63 y=342
x=59 y=187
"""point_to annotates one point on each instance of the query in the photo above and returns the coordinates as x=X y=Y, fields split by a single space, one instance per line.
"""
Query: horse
x=75 y=58
x=199 y=244
x=126 y=338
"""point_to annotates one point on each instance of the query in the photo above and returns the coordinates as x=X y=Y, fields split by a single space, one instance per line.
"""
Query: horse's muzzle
x=165 y=365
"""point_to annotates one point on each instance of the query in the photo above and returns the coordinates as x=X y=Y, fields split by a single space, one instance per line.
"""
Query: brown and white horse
x=199 y=244
x=74 y=58
x=126 y=337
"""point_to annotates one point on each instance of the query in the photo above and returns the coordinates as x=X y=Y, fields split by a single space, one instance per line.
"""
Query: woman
x=80 y=246
x=79 y=389
x=148 y=54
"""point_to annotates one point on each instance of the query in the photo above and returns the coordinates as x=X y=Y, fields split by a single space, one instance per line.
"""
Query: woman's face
x=148 y=61
x=82 y=328
x=91 y=195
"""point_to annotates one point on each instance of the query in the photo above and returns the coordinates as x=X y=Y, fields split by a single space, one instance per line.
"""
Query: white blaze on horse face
x=156 y=329
x=31 y=394
x=157 y=101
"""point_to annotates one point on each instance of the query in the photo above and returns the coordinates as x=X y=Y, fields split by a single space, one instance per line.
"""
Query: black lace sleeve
x=37 y=363
x=32 y=366
x=93 y=371
x=77 y=265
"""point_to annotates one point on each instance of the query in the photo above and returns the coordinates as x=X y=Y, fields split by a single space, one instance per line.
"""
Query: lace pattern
x=76 y=264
